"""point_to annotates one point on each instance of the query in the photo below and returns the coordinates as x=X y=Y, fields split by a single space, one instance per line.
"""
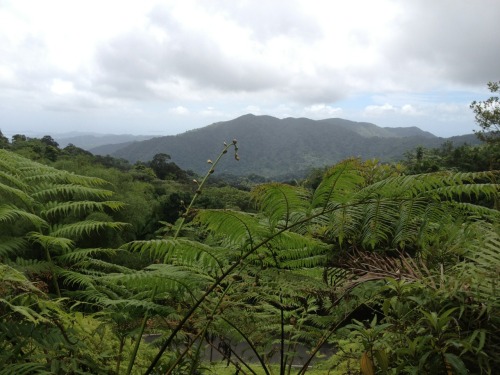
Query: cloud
x=308 y=56
x=179 y=110
x=322 y=111
x=374 y=110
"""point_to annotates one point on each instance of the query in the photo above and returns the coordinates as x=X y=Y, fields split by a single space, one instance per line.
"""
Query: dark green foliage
x=487 y=115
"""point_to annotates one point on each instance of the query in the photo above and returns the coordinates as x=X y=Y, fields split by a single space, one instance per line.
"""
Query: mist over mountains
x=272 y=147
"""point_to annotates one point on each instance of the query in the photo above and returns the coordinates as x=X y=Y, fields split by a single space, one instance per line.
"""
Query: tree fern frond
x=12 y=180
x=182 y=251
x=9 y=214
x=54 y=209
x=70 y=191
x=165 y=277
x=71 y=278
x=25 y=369
x=478 y=211
x=55 y=176
x=87 y=227
x=16 y=193
x=338 y=184
x=51 y=242
x=470 y=190
x=378 y=217
x=11 y=245
x=31 y=266
x=77 y=255
x=280 y=201
x=234 y=227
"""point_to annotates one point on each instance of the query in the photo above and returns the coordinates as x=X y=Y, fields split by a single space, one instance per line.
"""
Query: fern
x=87 y=227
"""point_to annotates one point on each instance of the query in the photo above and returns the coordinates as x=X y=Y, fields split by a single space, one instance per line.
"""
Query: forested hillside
x=271 y=147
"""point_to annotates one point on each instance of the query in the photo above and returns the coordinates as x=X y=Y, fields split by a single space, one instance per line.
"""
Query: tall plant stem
x=200 y=186
x=177 y=232
x=139 y=335
x=54 y=276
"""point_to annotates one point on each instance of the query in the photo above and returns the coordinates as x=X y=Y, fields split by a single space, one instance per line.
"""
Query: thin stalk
x=325 y=337
x=177 y=232
x=282 y=338
x=200 y=186
x=139 y=336
x=120 y=353
x=54 y=276
x=251 y=345
x=214 y=310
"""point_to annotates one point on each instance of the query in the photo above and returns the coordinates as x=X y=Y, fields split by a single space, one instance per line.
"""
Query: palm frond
x=10 y=214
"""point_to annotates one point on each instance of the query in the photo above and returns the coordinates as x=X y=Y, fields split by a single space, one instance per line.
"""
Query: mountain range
x=273 y=147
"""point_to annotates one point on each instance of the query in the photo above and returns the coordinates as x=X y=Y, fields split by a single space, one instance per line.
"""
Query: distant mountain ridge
x=272 y=147
x=90 y=141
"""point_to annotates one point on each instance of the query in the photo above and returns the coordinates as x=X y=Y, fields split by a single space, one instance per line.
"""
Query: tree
x=4 y=141
x=487 y=114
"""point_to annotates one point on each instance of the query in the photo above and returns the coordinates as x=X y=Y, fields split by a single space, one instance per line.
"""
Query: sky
x=165 y=67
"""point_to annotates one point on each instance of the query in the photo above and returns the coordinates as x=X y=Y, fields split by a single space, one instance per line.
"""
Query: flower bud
x=209 y=161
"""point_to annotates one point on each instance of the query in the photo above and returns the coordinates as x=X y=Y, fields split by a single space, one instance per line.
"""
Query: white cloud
x=322 y=110
x=62 y=87
x=179 y=110
x=379 y=109
x=408 y=109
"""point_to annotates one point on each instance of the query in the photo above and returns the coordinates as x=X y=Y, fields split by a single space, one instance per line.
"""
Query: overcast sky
x=163 y=67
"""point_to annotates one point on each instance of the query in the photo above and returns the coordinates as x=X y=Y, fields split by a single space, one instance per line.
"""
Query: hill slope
x=271 y=147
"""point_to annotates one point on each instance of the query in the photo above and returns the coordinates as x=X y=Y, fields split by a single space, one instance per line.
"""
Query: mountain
x=89 y=141
x=273 y=147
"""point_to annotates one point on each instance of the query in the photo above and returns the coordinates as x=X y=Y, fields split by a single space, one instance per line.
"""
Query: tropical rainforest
x=363 y=267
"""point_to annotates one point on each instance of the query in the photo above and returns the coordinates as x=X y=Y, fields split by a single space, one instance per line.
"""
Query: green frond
x=78 y=255
x=406 y=225
x=55 y=176
x=12 y=245
x=378 y=219
x=11 y=214
x=280 y=202
x=485 y=255
x=69 y=191
x=71 y=278
x=183 y=252
x=31 y=266
x=235 y=228
x=470 y=190
x=16 y=193
x=484 y=213
x=87 y=227
x=166 y=278
x=12 y=180
x=62 y=209
x=25 y=369
x=339 y=184
x=61 y=244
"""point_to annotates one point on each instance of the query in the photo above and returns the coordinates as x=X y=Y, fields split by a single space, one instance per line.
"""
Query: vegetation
x=285 y=149
x=362 y=268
